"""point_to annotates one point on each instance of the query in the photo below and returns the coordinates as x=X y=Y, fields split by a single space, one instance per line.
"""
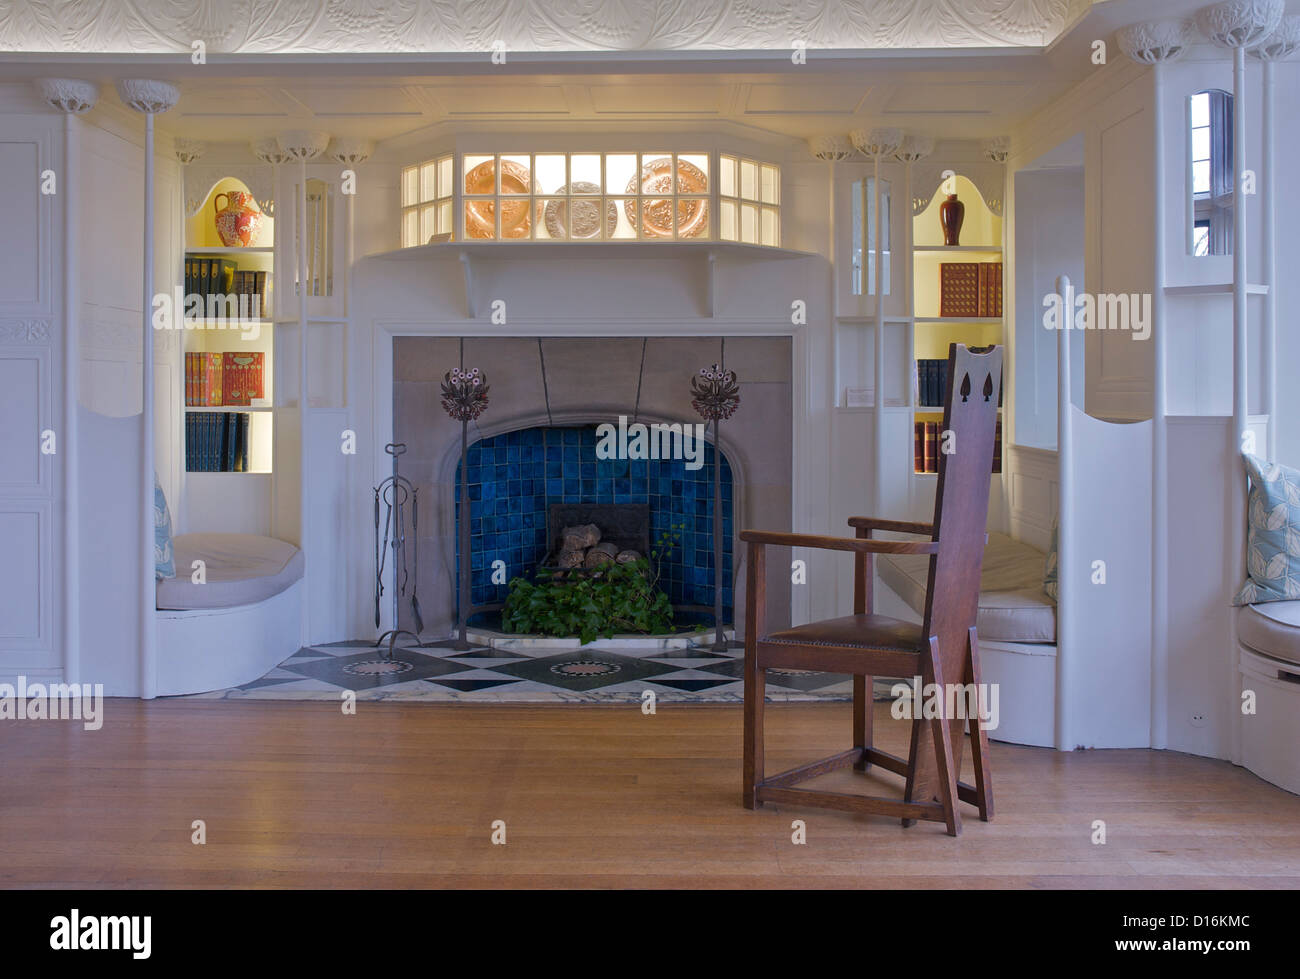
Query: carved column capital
x=67 y=94
x=147 y=95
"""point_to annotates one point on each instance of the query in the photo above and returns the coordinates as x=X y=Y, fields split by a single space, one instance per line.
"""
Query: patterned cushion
x=164 y=563
x=1049 y=566
x=1273 y=534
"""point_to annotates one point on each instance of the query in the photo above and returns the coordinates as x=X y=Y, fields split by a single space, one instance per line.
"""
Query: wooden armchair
x=944 y=649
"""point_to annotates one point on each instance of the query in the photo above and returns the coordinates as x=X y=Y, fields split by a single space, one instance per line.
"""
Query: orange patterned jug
x=239 y=221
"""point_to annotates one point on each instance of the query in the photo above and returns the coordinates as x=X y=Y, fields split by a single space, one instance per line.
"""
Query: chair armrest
x=861 y=545
x=897 y=526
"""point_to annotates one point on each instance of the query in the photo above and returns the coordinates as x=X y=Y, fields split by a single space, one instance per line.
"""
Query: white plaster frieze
x=333 y=26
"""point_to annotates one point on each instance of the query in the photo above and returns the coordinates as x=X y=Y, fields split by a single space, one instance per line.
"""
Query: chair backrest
x=970 y=415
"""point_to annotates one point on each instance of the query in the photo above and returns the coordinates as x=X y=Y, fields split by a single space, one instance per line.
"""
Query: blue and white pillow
x=1272 y=535
x=163 y=561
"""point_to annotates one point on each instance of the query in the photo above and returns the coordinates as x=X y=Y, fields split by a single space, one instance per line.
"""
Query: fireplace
x=525 y=486
x=566 y=387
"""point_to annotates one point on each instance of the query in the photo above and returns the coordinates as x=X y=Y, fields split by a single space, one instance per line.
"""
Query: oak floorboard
x=298 y=794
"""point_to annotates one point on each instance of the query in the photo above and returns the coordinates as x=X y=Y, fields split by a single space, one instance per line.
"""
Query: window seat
x=1271 y=629
x=1013 y=606
x=241 y=569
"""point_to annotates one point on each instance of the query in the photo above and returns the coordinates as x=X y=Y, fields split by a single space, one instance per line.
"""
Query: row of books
x=220 y=276
x=216 y=442
x=925 y=447
x=970 y=288
x=931 y=381
x=223 y=378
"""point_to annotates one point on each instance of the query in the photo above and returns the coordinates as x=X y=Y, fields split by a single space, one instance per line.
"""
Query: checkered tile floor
x=434 y=673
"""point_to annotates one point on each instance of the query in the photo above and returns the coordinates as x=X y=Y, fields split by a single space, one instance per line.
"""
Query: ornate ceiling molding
x=377 y=26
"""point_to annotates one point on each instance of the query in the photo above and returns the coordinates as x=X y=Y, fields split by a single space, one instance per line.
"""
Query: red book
x=959 y=288
x=242 y=377
x=918 y=447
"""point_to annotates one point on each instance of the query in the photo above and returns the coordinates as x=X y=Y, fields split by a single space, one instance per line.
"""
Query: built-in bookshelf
x=956 y=298
x=229 y=345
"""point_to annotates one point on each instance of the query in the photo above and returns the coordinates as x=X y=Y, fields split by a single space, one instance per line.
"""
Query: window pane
x=627 y=218
x=1201 y=177
x=727 y=229
x=410 y=228
x=584 y=168
x=444 y=218
x=1201 y=143
x=771 y=185
x=727 y=176
x=620 y=173
x=749 y=224
x=410 y=183
x=749 y=180
x=858 y=209
x=1201 y=109
x=516 y=173
x=549 y=173
x=693 y=218
x=428 y=223
x=428 y=182
x=771 y=233
x=480 y=175
x=444 y=178
x=692 y=173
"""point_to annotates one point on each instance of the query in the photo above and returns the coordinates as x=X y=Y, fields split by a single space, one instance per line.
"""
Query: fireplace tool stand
x=395 y=494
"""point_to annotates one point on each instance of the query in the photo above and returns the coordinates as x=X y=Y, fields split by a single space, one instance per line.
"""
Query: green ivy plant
x=618 y=598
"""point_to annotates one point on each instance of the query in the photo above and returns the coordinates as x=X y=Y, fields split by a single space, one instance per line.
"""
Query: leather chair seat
x=860 y=631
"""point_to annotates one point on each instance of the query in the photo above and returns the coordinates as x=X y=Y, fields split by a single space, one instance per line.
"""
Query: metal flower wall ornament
x=464 y=393
x=715 y=393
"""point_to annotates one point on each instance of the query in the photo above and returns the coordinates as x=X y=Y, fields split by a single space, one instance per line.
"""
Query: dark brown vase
x=951 y=214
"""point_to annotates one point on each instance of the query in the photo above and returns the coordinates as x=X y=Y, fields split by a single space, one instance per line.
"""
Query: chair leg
x=979 y=739
x=755 y=691
x=862 y=718
x=941 y=728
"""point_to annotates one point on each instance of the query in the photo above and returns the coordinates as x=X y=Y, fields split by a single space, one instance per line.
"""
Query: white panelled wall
x=31 y=363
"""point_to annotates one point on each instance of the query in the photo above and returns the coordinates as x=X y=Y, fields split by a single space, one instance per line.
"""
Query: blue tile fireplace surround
x=514 y=477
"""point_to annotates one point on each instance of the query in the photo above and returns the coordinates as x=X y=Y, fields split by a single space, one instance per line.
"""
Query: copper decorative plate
x=657 y=178
x=580 y=216
x=516 y=215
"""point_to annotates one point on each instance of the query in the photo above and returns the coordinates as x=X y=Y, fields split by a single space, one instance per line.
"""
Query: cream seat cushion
x=242 y=569
x=1272 y=629
x=1013 y=607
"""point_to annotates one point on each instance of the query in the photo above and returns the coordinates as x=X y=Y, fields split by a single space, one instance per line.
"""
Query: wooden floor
x=299 y=794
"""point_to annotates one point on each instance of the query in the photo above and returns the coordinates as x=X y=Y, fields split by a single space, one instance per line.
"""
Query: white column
x=303 y=146
x=1281 y=45
x=1238 y=26
x=72 y=98
x=149 y=98
x=877 y=144
x=1156 y=44
x=1065 y=521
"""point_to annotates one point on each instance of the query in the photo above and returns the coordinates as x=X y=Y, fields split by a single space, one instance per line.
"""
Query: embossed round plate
x=657 y=178
x=580 y=216
x=516 y=215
